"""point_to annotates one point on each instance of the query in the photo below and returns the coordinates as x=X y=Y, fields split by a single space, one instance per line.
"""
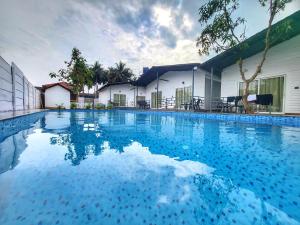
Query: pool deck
x=13 y=114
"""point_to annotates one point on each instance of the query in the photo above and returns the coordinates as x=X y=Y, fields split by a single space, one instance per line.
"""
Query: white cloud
x=162 y=15
x=38 y=36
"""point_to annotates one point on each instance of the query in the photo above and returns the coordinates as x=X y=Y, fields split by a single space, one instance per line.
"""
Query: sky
x=38 y=35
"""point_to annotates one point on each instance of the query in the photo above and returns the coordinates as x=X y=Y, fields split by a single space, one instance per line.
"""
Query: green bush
x=73 y=105
x=60 y=106
x=88 y=106
x=109 y=106
x=100 y=106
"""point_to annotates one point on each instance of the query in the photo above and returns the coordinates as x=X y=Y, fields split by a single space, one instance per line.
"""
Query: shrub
x=88 y=106
x=73 y=105
x=109 y=106
x=60 y=106
x=100 y=106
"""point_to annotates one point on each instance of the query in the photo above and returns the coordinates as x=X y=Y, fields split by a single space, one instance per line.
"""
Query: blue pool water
x=123 y=167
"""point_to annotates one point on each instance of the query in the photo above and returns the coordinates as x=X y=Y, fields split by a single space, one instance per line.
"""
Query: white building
x=57 y=94
x=122 y=94
x=279 y=78
x=280 y=74
x=163 y=83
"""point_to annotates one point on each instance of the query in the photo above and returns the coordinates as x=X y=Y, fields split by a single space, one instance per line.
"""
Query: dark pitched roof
x=64 y=85
x=255 y=44
x=151 y=74
x=116 y=83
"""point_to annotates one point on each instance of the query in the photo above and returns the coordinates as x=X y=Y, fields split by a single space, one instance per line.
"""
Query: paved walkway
x=12 y=114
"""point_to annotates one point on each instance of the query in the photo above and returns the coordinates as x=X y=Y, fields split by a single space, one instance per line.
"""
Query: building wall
x=127 y=89
x=57 y=95
x=177 y=79
x=16 y=92
x=282 y=59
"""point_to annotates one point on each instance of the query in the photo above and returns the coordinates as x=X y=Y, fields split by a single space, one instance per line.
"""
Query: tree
x=99 y=74
x=76 y=73
x=223 y=31
x=119 y=73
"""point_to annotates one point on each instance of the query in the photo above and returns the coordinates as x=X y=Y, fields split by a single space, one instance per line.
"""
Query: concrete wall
x=16 y=92
x=282 y=60
x=57 y=95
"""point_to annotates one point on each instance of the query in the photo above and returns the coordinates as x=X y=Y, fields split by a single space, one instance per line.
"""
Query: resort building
x=280 y=74
x=56 y=94
x=174 y=84
x=121 y=93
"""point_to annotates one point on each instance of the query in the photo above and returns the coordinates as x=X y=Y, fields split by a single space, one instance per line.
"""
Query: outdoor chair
x=143 y=104
x=229 y=105
x=198 y=104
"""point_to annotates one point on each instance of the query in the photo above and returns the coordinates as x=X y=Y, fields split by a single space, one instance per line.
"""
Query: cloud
x=39 y=35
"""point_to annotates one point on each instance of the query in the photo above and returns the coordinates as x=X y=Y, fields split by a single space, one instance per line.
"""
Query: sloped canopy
x=152 y=73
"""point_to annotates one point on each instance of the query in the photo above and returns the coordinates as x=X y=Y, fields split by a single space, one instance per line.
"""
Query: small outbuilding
x=57 y=94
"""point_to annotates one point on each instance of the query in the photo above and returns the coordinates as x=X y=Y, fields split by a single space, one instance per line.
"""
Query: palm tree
x=99 y=74
x=119 y=73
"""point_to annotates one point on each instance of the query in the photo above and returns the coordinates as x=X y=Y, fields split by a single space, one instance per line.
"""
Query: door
x=120 y=99
x=274 y=86
x=156 y=99
x=183 y=95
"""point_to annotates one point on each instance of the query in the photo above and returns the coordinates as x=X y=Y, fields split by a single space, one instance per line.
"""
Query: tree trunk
x=245 y=98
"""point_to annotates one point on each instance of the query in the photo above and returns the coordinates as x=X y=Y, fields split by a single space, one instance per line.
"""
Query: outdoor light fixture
x=195 y=68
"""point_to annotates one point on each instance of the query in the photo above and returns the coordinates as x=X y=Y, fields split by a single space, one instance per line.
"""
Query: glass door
x=156 y=99
x=120 y=99
x=183 y=95
x=274 y=86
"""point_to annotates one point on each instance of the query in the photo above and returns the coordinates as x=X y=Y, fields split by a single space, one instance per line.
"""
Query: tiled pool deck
x=277 y=120
x=12 y=114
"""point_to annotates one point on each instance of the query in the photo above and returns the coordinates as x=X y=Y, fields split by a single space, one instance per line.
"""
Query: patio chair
x=143 y=104
x=228 y=106
x=198 y=104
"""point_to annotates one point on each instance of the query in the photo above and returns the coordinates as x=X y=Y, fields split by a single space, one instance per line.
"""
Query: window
x=253 y=87
x=272 y=85
x=156 y=99
x=275 y=87
x=183 y=95
x=120 y=99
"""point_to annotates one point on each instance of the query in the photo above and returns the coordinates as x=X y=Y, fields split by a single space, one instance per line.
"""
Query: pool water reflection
x=123 y=167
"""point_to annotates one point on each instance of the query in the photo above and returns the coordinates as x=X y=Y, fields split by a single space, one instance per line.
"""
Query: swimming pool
x=123 y=167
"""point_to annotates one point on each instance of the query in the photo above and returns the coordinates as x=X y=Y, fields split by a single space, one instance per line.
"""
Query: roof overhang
x=255 y=44
x=116 y=83
x=155 y=71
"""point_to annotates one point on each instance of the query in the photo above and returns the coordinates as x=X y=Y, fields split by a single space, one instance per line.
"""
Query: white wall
x=282 y=59
x=57 y=95
x=177 y=79
x=104 y=95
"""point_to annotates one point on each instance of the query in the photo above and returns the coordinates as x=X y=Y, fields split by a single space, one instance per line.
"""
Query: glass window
x=275 y=87
x=156 y=101
x=120 y=99
x=183 y=95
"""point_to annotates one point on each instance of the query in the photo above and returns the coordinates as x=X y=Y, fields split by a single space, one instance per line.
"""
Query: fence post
x=13 y=76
